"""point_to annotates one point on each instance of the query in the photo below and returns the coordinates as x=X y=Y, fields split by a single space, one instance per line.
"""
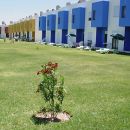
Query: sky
x=14 y=10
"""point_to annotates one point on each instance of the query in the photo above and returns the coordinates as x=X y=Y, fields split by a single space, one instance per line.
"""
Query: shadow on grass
x=45 y=121
x=124 y=53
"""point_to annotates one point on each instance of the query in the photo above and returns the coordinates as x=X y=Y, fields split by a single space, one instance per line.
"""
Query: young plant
x=51 y=87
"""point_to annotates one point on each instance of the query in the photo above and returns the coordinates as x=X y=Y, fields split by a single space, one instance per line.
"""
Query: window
x=123 y=13
x=73 y=19
x=94 y=15
x=48 y=22
x=58 y=20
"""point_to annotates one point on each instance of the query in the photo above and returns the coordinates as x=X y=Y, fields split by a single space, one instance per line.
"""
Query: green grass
x=98 y=87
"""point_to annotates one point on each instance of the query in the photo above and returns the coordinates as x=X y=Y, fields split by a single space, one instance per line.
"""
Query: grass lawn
x=98 y=87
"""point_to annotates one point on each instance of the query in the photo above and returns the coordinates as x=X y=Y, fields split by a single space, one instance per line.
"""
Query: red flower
x=54 y=66
x=49 y=63
x=48 y=68
x=48 y=71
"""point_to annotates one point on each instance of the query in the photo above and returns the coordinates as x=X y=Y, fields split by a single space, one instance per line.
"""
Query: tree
x=52 y=87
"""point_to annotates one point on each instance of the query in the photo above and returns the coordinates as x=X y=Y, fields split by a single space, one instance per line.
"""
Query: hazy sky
x=13 y=10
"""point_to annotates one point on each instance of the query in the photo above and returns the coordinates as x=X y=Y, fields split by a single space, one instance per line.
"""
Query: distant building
x=96 y=23
x=4 y=30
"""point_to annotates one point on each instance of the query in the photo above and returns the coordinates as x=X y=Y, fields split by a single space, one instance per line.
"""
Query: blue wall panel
x=125 y=21
x=63 y=19
x=78 y=18
x=51 y=22
x=42 y=23
x=127 y=39
x=100 y=17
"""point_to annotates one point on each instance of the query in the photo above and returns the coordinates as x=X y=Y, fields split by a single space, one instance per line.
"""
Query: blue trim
x=78 y=18
x=63 y=19
x=100 y=12
x=51 y=22
x=127 y=39
x=42 y=23
x=124 y=16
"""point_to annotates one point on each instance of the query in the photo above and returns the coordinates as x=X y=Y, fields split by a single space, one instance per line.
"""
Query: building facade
x=3 y=30
x=24 y=29
x=95 y=23
x=125 y=22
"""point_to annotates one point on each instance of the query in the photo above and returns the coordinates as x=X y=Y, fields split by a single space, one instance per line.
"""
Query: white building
x=113 y=26
x=38 y=33
x=93 y=22
x=97 y=31
x=3 y=30
x=90 y=33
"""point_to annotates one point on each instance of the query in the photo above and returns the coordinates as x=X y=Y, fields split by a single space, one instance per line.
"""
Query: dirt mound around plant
x=47 y=116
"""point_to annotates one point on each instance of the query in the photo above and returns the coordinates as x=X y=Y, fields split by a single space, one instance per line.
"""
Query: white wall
x=48 y=36
x=11 y=35
x=48 y=32
x=3 y=34
x=59 y=31
x=58 y=38
x=38 y=33
x=21 y=34
x=113 y=23
x=70 y=30
x=30 y=35
x=90 y=32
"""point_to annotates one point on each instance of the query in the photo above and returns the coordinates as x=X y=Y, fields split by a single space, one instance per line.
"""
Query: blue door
x=127 y=39
x=43 y=35
x=64 y=37
x=100 y=37
x=80 y=35
x=53 y=36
